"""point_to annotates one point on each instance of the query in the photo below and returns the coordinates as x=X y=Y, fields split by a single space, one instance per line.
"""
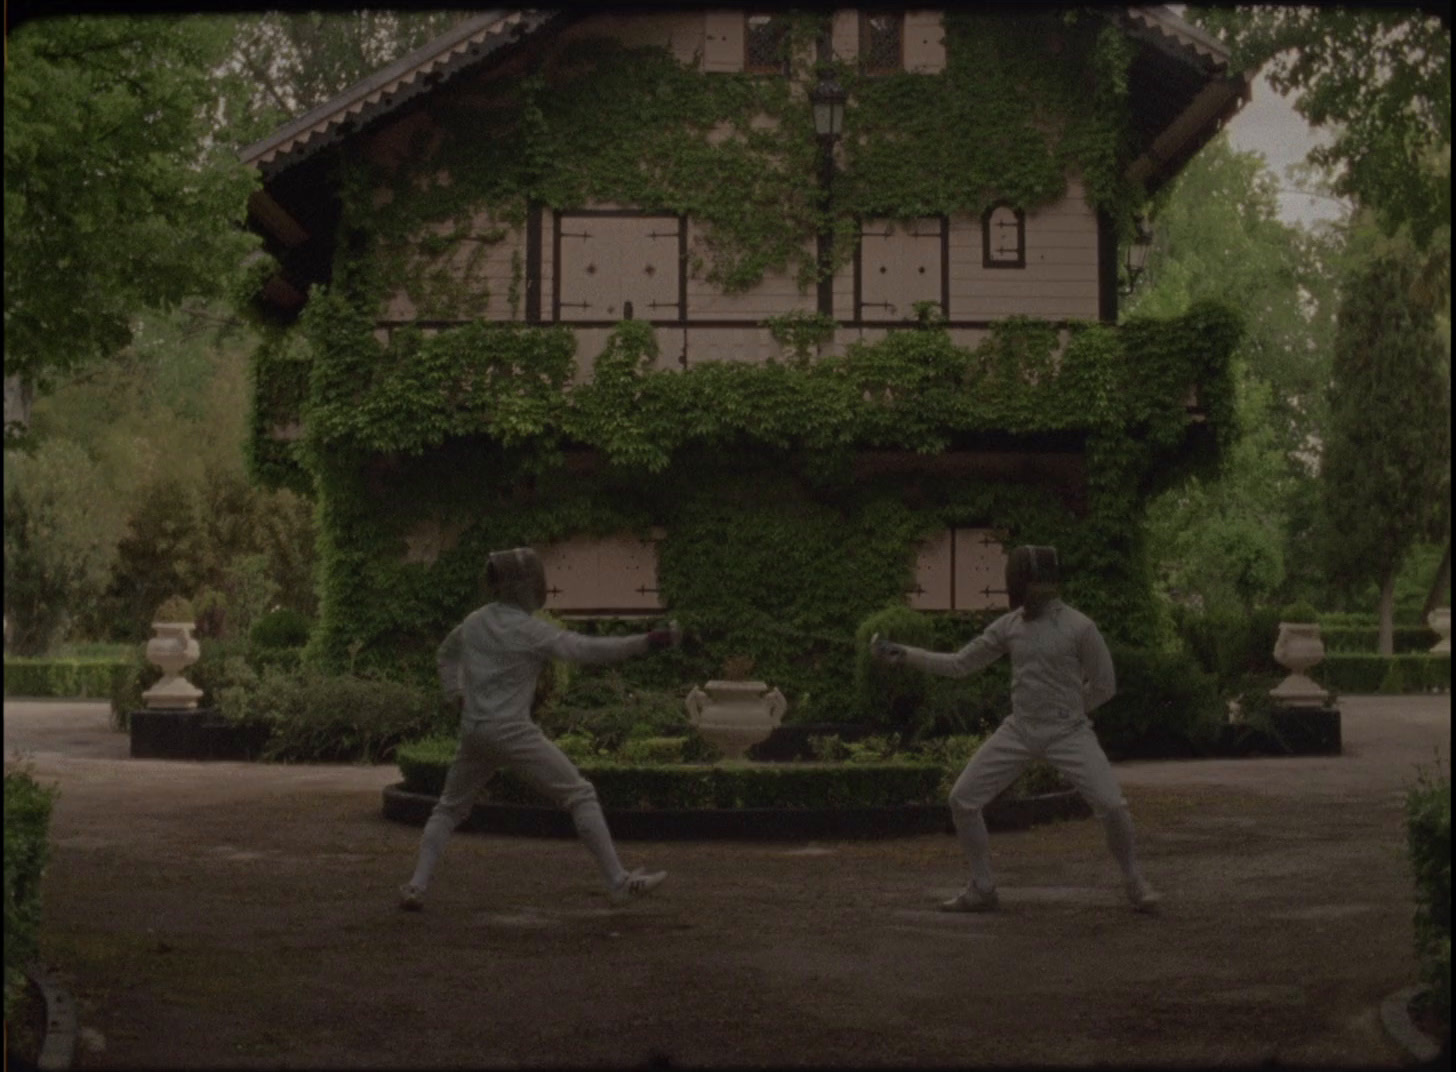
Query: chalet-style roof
x=1181 y=88
x=387 y=89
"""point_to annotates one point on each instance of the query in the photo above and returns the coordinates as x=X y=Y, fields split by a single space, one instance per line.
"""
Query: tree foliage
x=1222 y=543
x=119 y=192
x=297 y=60
x=61 y=530
x=1379 y=80
x=1386 y=477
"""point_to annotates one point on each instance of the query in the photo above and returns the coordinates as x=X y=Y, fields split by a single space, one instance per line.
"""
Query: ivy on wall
x=773 y=548
x=1022 y=102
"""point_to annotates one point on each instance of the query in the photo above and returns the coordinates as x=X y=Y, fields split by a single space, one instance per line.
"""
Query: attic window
x=765 y=44
x=1003 y=237
x=881 y=42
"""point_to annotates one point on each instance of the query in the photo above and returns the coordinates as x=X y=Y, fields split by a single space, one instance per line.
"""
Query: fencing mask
x=1032 y=576
x=517 y=577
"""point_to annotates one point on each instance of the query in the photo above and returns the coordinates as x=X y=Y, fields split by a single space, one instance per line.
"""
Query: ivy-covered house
x=594 y=282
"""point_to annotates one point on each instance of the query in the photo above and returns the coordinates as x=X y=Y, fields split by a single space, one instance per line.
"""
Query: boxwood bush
x=1166 y=705
x=46 y=678
x=892 y=696
x=1365 y=674
x=1228 y=646
x=27 y=824
x=875 y=772
x=314 y=717
x=1428 y=840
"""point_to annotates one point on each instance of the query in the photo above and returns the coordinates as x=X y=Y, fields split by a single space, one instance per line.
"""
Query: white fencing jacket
x=1060 y=665
x=496 y=654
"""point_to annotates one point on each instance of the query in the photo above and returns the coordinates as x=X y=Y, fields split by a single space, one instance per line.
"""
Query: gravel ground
x=233 y=915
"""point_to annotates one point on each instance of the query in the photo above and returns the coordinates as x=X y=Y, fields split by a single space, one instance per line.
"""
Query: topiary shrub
x=283 y=628
x=27 y=846
x=174 y=609
x=1299 y=613
x=893 y=697
x=1165 y=706
x=1231 y=647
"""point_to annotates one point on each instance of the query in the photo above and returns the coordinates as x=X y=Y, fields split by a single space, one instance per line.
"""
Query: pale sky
x=1269 y=125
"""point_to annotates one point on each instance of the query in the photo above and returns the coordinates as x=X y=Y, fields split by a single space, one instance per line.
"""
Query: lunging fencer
x=1061 y=671
x=489 y=665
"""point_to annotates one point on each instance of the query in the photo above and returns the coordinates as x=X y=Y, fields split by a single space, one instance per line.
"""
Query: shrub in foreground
x=27 y=822
x=315 y=717
x=1428 y=841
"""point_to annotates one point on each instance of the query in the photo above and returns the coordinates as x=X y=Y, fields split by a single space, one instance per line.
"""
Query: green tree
x=1378 y=79
x=61 y=535
x=1386 y=477
x=1218 y=236
x=119 y=192
x=297 y=60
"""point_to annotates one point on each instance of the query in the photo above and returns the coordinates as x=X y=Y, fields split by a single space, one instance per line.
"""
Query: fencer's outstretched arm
x=1099 y=680
x=575 y=648
x=977 y=655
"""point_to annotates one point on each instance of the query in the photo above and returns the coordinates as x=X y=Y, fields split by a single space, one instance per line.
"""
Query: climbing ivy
x=774 y=546
x=1021 y=102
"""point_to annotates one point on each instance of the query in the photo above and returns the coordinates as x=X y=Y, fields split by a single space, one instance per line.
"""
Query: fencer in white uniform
x=1061 y=671
x=489 y=664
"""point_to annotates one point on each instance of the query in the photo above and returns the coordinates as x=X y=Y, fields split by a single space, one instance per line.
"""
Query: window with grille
x=765 y=44
x=1003 y=237
x=881 y=41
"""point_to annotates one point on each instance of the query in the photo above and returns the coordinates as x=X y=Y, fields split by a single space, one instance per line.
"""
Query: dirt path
x=241 y=916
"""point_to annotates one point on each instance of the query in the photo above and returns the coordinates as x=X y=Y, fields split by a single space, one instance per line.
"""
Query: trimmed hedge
x=44 y=678
x=1364 y=639
x=1344 y=672
x=622 y=785
x=27 y=824
x=1166 y=706
x=1428 y=839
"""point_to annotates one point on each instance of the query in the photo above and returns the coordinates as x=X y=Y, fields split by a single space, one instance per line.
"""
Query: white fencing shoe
x=411 y=897
x=636 y=884
x=972 y=899
x=1143 y=897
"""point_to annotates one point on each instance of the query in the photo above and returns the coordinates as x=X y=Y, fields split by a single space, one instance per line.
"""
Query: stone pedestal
x=197 y=733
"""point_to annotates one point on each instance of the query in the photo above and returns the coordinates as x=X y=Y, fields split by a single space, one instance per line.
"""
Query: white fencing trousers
x=1072 y=747
x=520 y=746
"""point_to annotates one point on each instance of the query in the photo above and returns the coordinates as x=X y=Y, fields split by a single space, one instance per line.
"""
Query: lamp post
x=1137 y=252
x=828 y=98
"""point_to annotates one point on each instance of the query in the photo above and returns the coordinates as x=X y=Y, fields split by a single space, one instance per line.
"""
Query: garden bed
x=785 y=823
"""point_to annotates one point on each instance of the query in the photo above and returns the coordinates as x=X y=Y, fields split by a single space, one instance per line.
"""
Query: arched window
x=1003 y=237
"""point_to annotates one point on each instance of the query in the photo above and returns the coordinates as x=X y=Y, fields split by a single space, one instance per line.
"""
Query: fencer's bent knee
x=962 y=809
x=580 y=796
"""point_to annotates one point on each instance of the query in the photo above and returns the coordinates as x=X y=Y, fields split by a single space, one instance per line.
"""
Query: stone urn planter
x=173 y=648
x=734 y=716
x=1299 y=648
x=1440 y=622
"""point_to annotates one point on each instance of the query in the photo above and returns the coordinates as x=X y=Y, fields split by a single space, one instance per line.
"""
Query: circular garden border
x=756 y=824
